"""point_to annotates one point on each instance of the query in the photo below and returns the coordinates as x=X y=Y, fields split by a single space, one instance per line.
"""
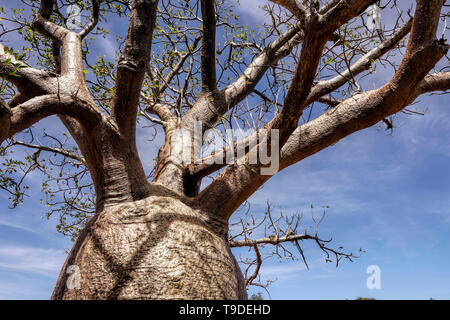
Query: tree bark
x=5 y=120
x=157 y=248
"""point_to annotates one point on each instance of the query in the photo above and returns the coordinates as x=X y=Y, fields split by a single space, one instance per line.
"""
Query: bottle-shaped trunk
x=155 y=248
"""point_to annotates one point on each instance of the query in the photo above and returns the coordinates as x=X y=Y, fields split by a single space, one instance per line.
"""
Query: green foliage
x=12 y=174
x=256 y=296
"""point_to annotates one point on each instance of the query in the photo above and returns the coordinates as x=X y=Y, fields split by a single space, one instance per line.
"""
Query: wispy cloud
x=23 y=288
x=8 y=223
x=282 y=271
x=251 y=9
x=32 y=260
x=108 y=47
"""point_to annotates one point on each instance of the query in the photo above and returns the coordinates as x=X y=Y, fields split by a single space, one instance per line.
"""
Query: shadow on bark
x=184 y=255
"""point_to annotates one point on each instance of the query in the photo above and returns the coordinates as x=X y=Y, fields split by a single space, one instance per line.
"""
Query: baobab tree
x=189 y=67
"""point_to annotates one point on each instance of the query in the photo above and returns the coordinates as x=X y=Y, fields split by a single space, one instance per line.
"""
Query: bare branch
x=327 y=86
x=279 y=235
x=250 y=280
x=305 y=73
x=95 y=15
x=209 y=107
x=366 y=109
x=29 y=81
x=217 y=160
x=271 y=240
x=161 y=110
x=42 y=24
x=318 y=31
x=165 y=82
x=342 y=12
x=5 y=120
x=331 y=102
x=208 y=45
x=295 y=7
x=132 y=65
x=30 y=112
x=49 y=149
x=278 y=49
x=434 y=82
x=237 y=183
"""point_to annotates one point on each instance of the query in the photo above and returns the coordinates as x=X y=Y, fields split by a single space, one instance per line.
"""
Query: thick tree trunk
x=156 y=248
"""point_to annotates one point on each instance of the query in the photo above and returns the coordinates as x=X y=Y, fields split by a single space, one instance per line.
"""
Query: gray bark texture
x=156 y=248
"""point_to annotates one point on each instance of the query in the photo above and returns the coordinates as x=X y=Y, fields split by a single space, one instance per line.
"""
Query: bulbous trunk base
x=156 y=248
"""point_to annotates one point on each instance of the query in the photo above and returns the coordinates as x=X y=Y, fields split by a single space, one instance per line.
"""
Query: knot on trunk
x=131 y=66
x=442 y=45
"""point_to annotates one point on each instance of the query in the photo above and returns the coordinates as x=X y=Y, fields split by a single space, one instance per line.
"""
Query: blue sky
x=388 y=194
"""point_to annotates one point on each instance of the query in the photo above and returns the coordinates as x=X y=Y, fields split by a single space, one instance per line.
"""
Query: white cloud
x=8 y=223
x=296 y=269
x=33 y=260
x=332 y=177
x=108 y=47
x=283 y=271
x=251 y=8
x=22 y=289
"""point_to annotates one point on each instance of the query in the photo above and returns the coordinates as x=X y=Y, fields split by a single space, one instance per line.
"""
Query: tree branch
x=366 y=109
x=344 y=10
x=50 y=149
x=33 y=110
x=160 y=109
x=5 y=120
x=327 y=86
x=247 y=81
x=295 y=7
x=271 y=240
x=434 y=82
x=305 y=73
x=42 y=24
x=238 y=182
x=29 y=81
x=95 y=15
x=250 y=280
x=318 y=30
x=209 y=107
x=208 y=56
x=217 y=160
x=132 y=65
x=162 y=87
